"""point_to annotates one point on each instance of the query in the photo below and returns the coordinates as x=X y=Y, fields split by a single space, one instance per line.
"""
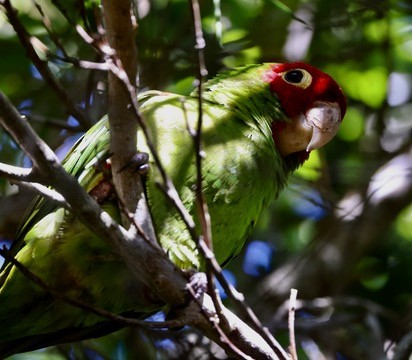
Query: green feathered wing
x=242 y=173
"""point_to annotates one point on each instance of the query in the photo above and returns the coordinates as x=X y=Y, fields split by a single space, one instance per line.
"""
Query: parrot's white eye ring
x=298 y=77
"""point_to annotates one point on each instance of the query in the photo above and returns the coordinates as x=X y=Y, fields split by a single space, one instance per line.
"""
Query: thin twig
x=82 y=64
x=94 y=87
x=291 y=324
x=202 y=206
x=327 y=304
x=16 y=173
x=29 y=178
x=199 y=153
x=214 y=320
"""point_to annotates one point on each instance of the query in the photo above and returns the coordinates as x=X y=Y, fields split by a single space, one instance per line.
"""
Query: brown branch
x=82 y=64
x=202 y=207
x=16 y=173
x=214 y=321
x=28 y=178
x=291 y=324
x=44 y=191
x=166 y=185
x=240 y=303
x=123 y=125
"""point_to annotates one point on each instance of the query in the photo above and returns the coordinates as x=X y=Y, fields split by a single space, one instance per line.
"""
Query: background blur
x=341 y=233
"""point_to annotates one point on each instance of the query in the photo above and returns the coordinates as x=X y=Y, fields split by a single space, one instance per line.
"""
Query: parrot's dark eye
x=298 y=77
x=294 y=76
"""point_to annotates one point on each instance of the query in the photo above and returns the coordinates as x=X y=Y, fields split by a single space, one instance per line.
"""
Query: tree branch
x=291 y=324
x=120 y=32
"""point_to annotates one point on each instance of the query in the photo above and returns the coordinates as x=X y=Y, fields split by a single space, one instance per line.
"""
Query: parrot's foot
x=197 y=284
x=139 y=162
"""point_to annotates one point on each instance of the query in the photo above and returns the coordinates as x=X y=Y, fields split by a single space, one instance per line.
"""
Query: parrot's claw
x=140 y=162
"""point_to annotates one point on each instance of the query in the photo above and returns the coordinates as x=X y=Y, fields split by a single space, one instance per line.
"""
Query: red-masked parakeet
x=260 y=123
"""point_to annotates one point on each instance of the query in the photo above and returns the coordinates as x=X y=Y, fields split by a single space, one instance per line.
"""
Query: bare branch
x=239 y=301
x=123 y=125
x=291 y=324
x=15 y=172
x=214 y=322
x=83 y=64
x=241 y=335
x=202 y=72
x=46 y=192
x=202 y=206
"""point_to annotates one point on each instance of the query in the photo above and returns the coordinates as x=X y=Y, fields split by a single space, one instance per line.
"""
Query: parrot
x=259 y=123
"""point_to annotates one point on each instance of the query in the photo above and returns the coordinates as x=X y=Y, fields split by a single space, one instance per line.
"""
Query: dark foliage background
x=342 y=231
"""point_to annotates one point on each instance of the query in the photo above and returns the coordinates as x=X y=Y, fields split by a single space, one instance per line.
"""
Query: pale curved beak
x=324 y=119
x=312 y=130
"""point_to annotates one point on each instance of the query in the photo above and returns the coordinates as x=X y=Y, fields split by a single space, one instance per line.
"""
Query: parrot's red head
x=312 y=100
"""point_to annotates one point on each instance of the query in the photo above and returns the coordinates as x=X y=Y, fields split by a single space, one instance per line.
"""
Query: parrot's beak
x=324 y=118
x=310 y=131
